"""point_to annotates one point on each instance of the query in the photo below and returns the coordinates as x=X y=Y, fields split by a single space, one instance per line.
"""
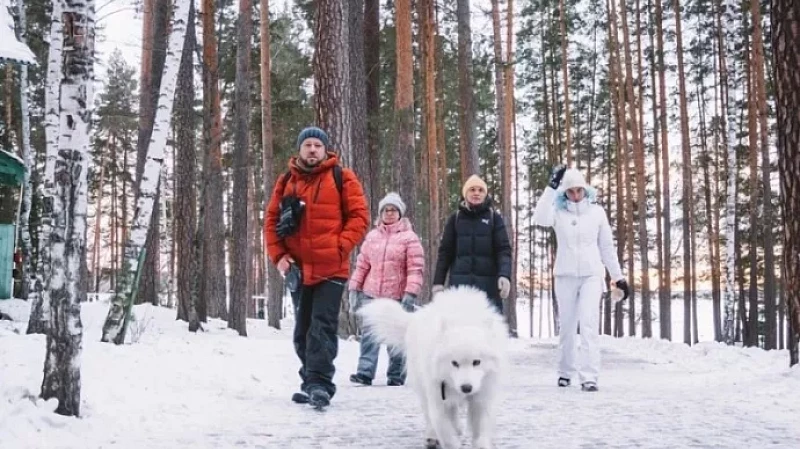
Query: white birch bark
x=729 y=298
x=27 y=192
x=40 y=304
x=117 y=320
x=65 y=286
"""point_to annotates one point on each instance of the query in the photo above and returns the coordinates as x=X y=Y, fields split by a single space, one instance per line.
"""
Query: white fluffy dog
x=455 y=350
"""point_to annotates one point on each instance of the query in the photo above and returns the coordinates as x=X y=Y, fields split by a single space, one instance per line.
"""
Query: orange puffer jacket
x=330 y=227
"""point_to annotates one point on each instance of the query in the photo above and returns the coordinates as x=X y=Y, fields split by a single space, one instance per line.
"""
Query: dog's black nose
x=466 y=388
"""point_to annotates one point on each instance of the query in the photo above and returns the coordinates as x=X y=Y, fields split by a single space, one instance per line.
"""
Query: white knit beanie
x=393 y=199
x=572 y=179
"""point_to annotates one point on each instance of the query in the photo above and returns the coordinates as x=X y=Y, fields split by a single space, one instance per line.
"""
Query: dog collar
x=443 y=398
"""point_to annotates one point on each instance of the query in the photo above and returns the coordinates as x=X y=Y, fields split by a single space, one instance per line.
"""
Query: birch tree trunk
x=468 y=149
x=213 y=285
x=116 y=322
x=40 y=305
x=27 y=158
x=240 y=242
x=66 y=286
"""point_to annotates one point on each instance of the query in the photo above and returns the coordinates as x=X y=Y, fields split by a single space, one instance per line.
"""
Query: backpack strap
x=337 y=177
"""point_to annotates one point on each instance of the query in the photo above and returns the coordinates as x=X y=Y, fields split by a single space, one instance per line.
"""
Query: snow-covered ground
x=173 y=389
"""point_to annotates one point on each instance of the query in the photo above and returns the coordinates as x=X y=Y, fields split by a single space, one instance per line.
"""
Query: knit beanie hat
x=312 y=131
x=473 y=181
x=573 y=178
x=393 y=199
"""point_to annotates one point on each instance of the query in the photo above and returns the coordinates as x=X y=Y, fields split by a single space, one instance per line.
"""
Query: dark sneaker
x=589 y=386
x=395 y=383
x=319 y=398
x=300 y=398
x=431 y=443
x=360 y=379
x=563 y=382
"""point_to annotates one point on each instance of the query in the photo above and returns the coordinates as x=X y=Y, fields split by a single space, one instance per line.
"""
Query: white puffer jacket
x=585 y=242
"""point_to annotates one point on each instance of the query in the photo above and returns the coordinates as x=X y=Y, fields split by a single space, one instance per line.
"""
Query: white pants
x=579 y=304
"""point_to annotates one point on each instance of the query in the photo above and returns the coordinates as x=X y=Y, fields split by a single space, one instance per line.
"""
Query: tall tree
x=116 y=323
x=274 y=281
x=687 y=179
x=213 y=284
x=154 y=50
x=331 y=80
x=404 y=166
x=359 y=148
x=240 y=242
x=185 y=214
x=665 y=294
x=40 y=305
x=372 y=41
x=562 y=23
x=62 y=375
x=785 y=42
x=430 y=166
x=470 y=164
x=767 y=220
x=27 y=157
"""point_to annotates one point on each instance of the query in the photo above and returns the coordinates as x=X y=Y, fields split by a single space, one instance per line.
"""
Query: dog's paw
x=432 y=443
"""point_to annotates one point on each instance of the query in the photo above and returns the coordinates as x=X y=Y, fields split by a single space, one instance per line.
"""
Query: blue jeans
x=369 y=351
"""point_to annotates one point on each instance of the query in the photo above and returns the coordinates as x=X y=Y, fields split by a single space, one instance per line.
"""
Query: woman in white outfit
x=585 y=250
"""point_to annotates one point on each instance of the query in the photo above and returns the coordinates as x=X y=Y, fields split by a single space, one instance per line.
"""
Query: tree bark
x=240 y=242
x=404 y=165
x=468 y=149
x=66 y=284
x=213 y=298
x=116 y=323
x=785 y=42
x=372 y=30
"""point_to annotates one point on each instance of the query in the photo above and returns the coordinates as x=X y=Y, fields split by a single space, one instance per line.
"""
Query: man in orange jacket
x=316 y=216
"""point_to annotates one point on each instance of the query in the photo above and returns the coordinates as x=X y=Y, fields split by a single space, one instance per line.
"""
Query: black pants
x=315 y=341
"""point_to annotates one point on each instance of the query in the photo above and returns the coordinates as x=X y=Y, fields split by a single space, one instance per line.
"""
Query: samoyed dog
x=455 y=349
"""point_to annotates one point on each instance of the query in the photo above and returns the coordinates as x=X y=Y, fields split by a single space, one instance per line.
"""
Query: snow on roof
x=12 y=49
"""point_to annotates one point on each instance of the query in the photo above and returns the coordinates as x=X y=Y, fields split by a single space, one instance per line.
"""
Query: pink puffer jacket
x=390 y=263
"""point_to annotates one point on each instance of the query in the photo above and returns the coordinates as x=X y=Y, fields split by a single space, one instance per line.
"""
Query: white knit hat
x=393 y=199
x=572 y=179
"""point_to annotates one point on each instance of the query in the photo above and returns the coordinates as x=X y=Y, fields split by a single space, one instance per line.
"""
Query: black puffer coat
x=475 y=249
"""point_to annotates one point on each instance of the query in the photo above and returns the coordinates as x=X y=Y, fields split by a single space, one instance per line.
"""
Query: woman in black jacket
x=475 y=249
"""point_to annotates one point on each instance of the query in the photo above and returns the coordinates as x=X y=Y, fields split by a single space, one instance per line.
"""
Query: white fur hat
x=573 y=178
x=395 y=200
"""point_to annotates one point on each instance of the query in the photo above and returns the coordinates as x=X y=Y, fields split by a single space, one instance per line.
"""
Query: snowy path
x=216 y=390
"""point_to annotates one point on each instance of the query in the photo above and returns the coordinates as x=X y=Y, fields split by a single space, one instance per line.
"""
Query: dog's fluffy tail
x=386 y=321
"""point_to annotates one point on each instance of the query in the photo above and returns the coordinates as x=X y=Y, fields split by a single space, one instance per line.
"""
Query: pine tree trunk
x=274 y=280
x=430 y=167
x=404 y=165
x=358 y=99
x=665 y=295
x=185 y=215
x=638 y=158
x=468 y=148
x=767 y=220
x=213 y=297
x=562 y=21
x=687 y=180
x=66 y=286
x=372 y=30
x=512 y=220
x=752 y=134
x=240 y=206
x=98 y=217
x=785 y=42
x=116 y=322
x=40 y=305
x=331 y=75
x=660 y=261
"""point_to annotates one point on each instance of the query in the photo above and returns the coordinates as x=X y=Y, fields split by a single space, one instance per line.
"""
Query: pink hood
x=390 y=262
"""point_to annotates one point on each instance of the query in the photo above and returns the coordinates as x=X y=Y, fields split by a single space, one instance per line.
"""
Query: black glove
x=622 y=284
x=556 y=174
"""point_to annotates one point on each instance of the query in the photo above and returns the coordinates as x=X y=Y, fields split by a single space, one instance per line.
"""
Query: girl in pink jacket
x=389 y=265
